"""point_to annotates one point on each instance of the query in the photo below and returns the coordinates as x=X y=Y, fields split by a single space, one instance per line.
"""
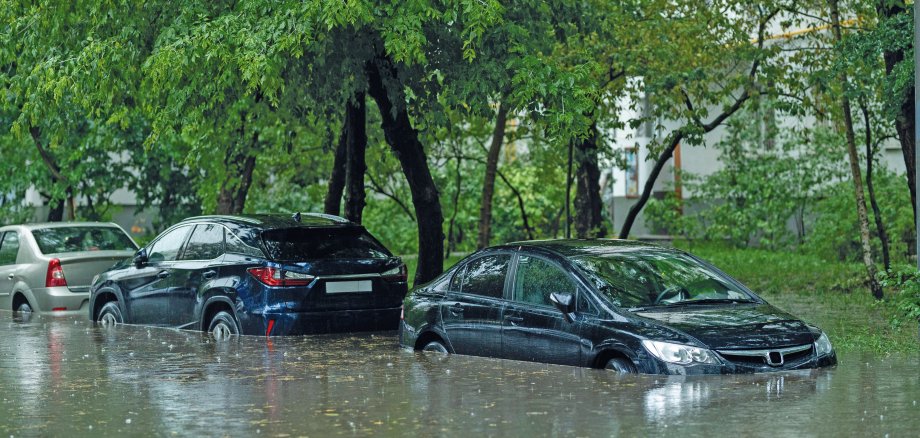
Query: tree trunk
x=876 y=212
x=488 y=183
x=874 y=286
x=231 y=199
x=57 y=177
x=458 y=184
x=904 y=122
x=333 y=202
x=403 y=140
x=355 y=167
x=588 y=204
x=56 y=211
x=650 y=183
x=568 y=193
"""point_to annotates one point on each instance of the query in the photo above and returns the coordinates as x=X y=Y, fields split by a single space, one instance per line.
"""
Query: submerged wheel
x=24 y=307
x=435 y=347
x=110 y=315
x=620 y=365
x=223 y=326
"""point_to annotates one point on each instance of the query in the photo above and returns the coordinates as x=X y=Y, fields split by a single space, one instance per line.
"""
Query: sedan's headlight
x=680 y=354
x=823 y=345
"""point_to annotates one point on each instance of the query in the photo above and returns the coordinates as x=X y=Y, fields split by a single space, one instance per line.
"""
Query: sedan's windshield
x=653 y=277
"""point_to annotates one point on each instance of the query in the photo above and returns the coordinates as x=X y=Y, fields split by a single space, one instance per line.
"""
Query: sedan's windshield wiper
x=692 y=302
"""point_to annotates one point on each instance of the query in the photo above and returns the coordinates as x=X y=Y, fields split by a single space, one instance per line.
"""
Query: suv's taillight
x=55 y=276
x=278 y=277
x=399 y=273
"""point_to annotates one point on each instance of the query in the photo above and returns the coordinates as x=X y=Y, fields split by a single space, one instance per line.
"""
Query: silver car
x=49 y=267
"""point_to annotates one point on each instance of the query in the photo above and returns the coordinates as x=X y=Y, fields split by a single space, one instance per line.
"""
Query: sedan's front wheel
x=223 y=326
x=620 y=365
x=435 y=347
x=110 y=315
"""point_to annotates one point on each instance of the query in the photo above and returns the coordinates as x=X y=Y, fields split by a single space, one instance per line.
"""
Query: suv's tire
x=620 y=365
x=436 y=347
x=223 y=326
x=110 y=315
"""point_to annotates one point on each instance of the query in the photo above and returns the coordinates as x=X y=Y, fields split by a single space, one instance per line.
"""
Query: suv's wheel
x=435 y=347
x=110 y=315
x=223 y=326
x=620 y=365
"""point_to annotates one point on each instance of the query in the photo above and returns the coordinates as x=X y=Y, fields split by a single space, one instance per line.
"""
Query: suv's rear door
x=471 y=312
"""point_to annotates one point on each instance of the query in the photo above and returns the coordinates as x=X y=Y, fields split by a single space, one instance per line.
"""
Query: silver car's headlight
x=679 y=353
x=823 y=345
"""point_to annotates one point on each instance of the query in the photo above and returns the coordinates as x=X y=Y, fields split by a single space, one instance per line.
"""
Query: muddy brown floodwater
x=66 y=377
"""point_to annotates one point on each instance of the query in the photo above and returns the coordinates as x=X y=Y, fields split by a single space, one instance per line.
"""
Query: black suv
x=256 y=275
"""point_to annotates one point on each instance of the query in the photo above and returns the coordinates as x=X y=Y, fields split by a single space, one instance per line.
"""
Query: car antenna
x=296 y=216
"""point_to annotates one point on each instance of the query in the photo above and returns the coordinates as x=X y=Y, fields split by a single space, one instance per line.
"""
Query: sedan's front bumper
x=727 y=367
x=304 y=323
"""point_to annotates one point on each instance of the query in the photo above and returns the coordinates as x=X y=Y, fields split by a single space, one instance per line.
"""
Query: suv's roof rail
x=331 y=217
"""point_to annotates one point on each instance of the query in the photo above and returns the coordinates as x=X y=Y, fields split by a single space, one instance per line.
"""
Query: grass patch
x=831 y=295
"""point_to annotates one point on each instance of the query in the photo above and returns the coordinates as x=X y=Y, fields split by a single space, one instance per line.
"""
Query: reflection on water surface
x=61 y=376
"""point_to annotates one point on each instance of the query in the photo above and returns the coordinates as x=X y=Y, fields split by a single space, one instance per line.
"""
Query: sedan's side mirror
x=565 y=303
x=140 y=258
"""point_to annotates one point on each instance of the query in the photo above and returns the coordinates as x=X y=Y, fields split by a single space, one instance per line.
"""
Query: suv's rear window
x=300 y=244
x=75 y=239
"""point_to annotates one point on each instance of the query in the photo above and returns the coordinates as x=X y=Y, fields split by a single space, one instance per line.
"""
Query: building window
x=632 y=172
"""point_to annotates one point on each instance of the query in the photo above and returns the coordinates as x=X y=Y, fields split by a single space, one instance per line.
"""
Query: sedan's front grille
x=774 y=357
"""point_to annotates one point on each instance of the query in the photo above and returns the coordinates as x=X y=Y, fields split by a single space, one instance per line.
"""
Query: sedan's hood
x=741 y=326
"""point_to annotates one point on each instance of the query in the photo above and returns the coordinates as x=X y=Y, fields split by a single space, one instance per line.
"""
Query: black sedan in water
x=256 y=275
x=621 y=305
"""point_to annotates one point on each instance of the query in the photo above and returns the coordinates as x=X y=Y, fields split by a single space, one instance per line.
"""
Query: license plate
x=344 y=287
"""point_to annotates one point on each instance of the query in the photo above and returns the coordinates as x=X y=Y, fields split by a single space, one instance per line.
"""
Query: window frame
x=181 y=251
x=512 y=263
x=572 y=278
x=223 y=243
x=18 y=246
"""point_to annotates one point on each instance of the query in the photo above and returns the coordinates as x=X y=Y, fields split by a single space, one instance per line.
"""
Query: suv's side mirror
x=140 y=258
x=565 y=302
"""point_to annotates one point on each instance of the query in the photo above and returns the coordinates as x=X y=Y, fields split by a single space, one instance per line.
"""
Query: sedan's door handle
x=514 y=319
x=11 y=276
x=456 y=309
x=163 y=274
x=209 y=274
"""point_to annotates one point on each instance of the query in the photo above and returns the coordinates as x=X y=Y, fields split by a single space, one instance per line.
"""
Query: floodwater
x=66 y=377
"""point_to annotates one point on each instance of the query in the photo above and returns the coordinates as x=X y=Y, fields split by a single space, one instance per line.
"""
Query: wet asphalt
x=63 y=376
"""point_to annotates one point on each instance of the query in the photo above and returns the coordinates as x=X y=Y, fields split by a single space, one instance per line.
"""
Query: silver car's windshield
x=58 y=240
x=654 y=277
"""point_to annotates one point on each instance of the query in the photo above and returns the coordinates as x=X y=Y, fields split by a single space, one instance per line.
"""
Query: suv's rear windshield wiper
x=693 y=302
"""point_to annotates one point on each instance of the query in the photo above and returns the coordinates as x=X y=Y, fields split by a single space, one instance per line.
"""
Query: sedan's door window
x=536 y=279
x=167 y=247
x=206 y=243
x=9 y=248
x=486 y=276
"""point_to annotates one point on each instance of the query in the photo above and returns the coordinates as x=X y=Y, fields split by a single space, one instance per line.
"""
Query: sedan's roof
x=42 y=225
x=268 y=221
x=583 y=247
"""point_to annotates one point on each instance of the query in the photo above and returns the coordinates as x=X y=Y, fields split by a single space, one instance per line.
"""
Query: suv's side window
x=206 y=243
x=537 y=278
x=167 y=247
x=236 y=246
x=486 y=276
x=9 y=248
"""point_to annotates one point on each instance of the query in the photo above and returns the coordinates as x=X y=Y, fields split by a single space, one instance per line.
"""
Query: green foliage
x=835 y=233
x=904 y=282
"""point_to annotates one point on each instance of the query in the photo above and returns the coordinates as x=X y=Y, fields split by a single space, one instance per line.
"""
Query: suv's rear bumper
x=304 y=323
